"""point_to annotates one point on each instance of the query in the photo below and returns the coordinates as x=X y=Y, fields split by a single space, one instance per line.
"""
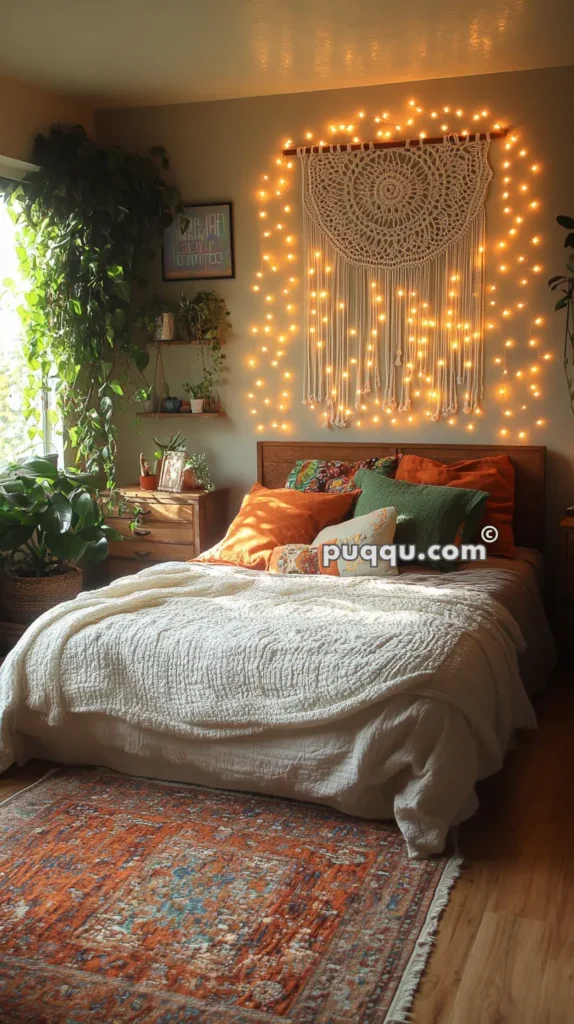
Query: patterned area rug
x=125 y=901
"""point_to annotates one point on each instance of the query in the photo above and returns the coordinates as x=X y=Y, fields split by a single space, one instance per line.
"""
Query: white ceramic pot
x=197 y=404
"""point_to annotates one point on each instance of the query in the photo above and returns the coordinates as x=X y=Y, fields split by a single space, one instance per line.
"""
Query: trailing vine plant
x=88 y=224
x=566 y=284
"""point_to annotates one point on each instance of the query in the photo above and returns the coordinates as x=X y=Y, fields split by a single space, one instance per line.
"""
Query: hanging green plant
x=566 y=284
x=89 y=221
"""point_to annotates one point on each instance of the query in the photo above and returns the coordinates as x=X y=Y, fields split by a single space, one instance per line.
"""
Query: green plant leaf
x=14 y=537
x=67 y=546
x=110 y=533
x=565 y=222
x=83 y=506
x=97 y=551
x=122 y=290
x=140 y=358
x=39 y=469
x=63 y=507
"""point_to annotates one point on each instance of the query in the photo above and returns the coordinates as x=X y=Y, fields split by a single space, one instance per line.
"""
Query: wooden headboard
x=275 y=459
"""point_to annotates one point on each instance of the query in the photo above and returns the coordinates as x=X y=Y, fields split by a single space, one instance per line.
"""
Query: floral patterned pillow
x=319 y=475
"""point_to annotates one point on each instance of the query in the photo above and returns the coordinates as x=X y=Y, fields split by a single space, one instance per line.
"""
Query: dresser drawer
x=151 y=511
x=145 y=550
x=166 y=531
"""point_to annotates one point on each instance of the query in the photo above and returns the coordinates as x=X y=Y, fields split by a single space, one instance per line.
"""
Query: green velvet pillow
x=427 y=513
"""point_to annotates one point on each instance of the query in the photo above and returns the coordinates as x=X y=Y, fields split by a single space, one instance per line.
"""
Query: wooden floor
x=505 y=947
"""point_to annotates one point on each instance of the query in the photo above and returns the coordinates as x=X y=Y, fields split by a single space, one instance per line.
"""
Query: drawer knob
x=142 y=554
x=141 y=533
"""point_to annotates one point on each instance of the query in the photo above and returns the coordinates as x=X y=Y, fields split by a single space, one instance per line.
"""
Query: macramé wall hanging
x=394 y=241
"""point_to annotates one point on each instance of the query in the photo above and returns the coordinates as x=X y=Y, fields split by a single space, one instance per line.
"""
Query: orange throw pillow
x=269 y=519
x=495 y=475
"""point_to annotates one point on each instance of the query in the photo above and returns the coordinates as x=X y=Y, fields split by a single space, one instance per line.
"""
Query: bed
x=378 y=697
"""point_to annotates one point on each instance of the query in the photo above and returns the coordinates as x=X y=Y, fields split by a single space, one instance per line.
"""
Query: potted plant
x=203 y=317
x=145 y=395
x=196 y=475
x=175 y=443
x=196 y=396
x=566 y=284
x=148 y=480
x=170 y=403
x=212 y=360
x=158 y=319
x=50 y=520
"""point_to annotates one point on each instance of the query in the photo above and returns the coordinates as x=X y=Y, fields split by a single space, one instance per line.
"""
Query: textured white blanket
x=199 y=650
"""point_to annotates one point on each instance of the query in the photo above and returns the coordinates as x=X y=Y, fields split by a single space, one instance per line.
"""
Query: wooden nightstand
x=172 y=527
x=565 y=611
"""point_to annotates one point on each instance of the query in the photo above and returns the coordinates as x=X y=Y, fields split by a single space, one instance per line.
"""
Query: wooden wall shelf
x=179 y=415
x=180 y=341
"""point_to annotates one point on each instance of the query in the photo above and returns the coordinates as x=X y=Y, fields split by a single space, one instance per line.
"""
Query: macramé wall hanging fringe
x=394 y=244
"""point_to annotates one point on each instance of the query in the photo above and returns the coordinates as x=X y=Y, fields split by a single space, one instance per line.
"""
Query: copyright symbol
x=489 y=534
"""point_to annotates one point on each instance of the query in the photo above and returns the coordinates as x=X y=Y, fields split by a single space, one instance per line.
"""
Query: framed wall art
x=205 y=249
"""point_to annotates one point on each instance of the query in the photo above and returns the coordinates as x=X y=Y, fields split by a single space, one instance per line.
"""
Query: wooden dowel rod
x=393 y=143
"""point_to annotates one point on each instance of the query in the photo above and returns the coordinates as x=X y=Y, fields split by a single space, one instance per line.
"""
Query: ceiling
x=138 y=52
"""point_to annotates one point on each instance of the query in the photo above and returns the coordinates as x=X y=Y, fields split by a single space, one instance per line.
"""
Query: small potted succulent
x=148 y=480
x=50 y=520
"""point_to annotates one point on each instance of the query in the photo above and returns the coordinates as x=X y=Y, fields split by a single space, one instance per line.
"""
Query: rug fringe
x=400 y=1009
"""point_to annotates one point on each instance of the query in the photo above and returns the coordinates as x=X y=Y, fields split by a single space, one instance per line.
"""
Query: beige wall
x=26 y=110
x=220 y=150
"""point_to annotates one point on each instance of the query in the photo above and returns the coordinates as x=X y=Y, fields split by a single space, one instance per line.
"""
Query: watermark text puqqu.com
x=393 y=554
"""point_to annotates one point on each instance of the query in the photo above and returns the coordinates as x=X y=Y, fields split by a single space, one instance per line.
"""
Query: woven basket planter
x=24 y=599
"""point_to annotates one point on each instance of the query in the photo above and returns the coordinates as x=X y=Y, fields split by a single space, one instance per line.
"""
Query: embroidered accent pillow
x=375 y=530
x=320 y=475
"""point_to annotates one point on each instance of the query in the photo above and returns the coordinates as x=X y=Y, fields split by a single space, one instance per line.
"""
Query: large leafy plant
x=566 y=284
x=50 y=520
x=88 y=223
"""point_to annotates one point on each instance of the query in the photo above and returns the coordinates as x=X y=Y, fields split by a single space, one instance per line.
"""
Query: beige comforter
x=376 y=696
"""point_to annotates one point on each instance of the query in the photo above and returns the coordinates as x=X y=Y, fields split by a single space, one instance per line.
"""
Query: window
x=17 y=436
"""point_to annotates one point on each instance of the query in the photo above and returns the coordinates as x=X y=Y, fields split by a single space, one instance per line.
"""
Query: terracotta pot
x=185 y=406
x=197 y=404
x=25 y=598
x=190 y=480
x=148 y=483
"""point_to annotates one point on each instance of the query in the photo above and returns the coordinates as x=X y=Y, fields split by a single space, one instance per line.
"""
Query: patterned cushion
x=376 y=528
x=319 y=475
x=295 y=560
